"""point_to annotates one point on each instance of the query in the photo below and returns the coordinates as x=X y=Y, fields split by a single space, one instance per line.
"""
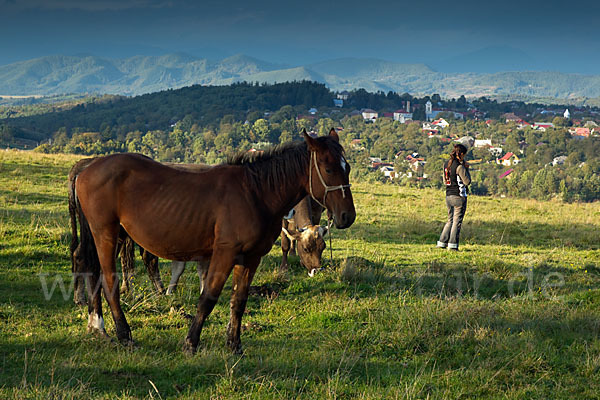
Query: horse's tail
x=79 y=260
x=73 y=206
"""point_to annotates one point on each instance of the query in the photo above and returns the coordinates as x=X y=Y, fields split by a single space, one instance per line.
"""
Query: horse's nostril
x=344 y=217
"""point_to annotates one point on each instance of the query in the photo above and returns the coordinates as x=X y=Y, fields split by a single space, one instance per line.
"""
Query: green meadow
x=515 y=314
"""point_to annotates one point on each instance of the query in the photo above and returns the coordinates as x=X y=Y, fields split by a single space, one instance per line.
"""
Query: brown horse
x=230 y=214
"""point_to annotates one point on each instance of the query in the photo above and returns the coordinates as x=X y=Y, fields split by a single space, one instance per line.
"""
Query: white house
x=441 y=122
x=542 y=126
x=559 y=160
x=343 y=96
x=496 y=151
x=402 y=116
x=567 y=114
x=388 y=171
x=482 y=143
x=369 y=115
x=508 y=159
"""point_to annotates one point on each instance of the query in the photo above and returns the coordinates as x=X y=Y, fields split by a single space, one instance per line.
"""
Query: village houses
x=509 y=159
x=369 y=115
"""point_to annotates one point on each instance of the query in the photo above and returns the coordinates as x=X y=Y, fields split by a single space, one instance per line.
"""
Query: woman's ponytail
x=458 y=150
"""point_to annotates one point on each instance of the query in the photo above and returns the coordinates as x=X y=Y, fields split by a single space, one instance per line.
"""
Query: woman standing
x=457 y=178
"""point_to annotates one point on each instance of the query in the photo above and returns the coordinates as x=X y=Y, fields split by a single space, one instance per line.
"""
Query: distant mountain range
x=145 y=74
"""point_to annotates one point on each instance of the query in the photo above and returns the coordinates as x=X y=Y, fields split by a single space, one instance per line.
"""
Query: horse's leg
x=286 y=244
x=177 y=268
x=95 y=319
x=220 y=267
x=106 y=244
x=78 y=277
x=202 y=269
x=127 y=249
x=242 y=277
x=87 y=261
x=151 y=263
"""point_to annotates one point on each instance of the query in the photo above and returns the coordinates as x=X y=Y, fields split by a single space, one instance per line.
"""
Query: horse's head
x=310 y=245
x=328 y=182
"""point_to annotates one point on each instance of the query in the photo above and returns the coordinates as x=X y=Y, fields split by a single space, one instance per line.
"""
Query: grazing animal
x=230 y=214
x=304 y=229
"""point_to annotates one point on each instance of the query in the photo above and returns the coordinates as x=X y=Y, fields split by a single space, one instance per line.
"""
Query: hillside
x=515 y=312
x=145 y=74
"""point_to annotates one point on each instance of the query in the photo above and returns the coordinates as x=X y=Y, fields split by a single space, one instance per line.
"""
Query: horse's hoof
x=236 y=348
x=100 y=333
x=80 y=302
x=188 y=348
x=79 y=298
x=127 y=341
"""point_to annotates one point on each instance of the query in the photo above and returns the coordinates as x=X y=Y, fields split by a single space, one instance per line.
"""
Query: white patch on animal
x=343 y=163
x=177 y=268
x=306 y=234
x=290 y=215
x=95 y=321
x=321 y=231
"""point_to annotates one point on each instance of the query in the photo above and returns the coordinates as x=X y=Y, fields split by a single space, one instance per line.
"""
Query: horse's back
x=173 y=213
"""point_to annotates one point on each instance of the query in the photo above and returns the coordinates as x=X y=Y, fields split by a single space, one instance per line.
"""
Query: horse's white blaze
x=95 y=321
x=343 y=163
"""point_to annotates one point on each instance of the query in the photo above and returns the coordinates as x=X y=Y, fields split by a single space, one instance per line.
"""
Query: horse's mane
x=279 y=164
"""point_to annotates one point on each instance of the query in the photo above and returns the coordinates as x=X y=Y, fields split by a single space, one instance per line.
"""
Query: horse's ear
x=334 y=135
x=312 y=143
x=323 y=230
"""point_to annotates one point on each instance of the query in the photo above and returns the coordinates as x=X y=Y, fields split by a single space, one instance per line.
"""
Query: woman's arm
x=464 y=174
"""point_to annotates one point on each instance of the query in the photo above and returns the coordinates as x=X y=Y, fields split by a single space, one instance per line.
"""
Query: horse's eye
x=306 y=250
x=327 y=170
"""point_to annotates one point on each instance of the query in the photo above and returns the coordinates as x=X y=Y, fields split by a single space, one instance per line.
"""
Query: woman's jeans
x=457 y=205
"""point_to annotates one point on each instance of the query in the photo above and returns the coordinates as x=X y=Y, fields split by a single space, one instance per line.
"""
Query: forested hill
x=144 y=74
x=203 y=104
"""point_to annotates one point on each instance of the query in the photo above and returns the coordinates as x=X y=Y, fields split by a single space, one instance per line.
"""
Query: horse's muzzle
x=344 y=220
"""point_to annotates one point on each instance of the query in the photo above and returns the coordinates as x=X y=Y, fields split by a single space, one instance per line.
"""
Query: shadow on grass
x=579 y=236
x=359 y=278
x=35 y=292
x=29 y=198
x=290 y=359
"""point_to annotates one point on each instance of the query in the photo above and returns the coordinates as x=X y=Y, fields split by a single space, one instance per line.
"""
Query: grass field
x=515 y=314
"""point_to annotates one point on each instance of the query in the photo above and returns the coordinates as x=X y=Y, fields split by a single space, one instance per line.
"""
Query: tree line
x=207 y=124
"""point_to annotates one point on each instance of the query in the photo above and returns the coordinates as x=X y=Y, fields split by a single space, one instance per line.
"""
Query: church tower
x=428 y=110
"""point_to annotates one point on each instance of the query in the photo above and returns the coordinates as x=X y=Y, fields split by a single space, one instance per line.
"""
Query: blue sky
x=540 y=35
